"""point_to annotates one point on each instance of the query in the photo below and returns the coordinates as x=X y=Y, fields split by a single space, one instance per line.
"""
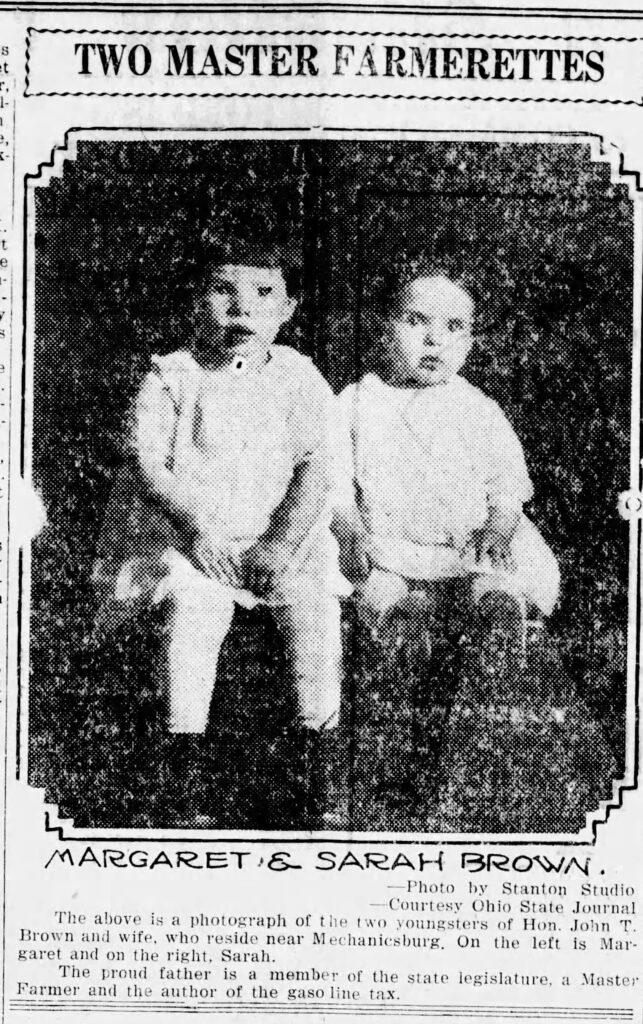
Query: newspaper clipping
x=321 y=495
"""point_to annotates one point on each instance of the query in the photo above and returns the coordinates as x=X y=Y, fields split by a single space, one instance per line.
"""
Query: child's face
x=429 y=332
x=246 y=305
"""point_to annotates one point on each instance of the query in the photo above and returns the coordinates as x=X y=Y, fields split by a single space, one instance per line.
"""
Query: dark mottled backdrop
x=549 y=240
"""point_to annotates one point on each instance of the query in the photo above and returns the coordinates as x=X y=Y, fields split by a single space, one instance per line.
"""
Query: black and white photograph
x=330 y=436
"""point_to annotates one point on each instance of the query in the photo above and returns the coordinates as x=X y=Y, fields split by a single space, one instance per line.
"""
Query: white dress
x=425 y=465
x=235 y=440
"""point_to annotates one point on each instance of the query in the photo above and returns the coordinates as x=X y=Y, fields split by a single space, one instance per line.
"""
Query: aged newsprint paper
x=321 y=499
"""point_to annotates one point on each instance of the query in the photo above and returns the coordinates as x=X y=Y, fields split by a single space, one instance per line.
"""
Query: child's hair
x=278 y=255
x=397 y=279
x=387 y=290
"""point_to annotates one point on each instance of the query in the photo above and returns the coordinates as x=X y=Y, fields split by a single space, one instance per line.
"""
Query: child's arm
x=164 y=451
x=308 y=496
x=348 y=525
x=153 y=420
x=163 y=447
x=351 y=537
x=304 y=503
x=508 y=488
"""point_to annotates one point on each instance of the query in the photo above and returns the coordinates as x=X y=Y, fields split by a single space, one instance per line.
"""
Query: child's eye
x=412 y=319
x=264 y=289
x=455 y=325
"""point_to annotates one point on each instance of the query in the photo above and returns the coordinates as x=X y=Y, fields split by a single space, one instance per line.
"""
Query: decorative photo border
x=630 y=503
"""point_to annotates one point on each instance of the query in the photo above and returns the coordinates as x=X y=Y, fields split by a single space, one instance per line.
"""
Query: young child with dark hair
x=231 y=500
x=435 y=486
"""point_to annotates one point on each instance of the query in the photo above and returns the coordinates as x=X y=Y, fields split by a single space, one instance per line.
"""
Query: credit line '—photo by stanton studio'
x=320 y=391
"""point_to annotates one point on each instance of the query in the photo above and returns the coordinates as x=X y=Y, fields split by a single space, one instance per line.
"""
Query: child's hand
x=490 y=543
x=216 y=563
x=263 y=565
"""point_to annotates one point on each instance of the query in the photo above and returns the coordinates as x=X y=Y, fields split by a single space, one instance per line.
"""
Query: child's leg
x=312 y=641
x=501 y=617
x=199 y=617
x=399 y=615
x=501 y=592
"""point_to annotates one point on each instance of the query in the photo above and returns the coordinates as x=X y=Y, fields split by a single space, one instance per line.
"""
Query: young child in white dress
x=437 y=478
x=228 y=496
